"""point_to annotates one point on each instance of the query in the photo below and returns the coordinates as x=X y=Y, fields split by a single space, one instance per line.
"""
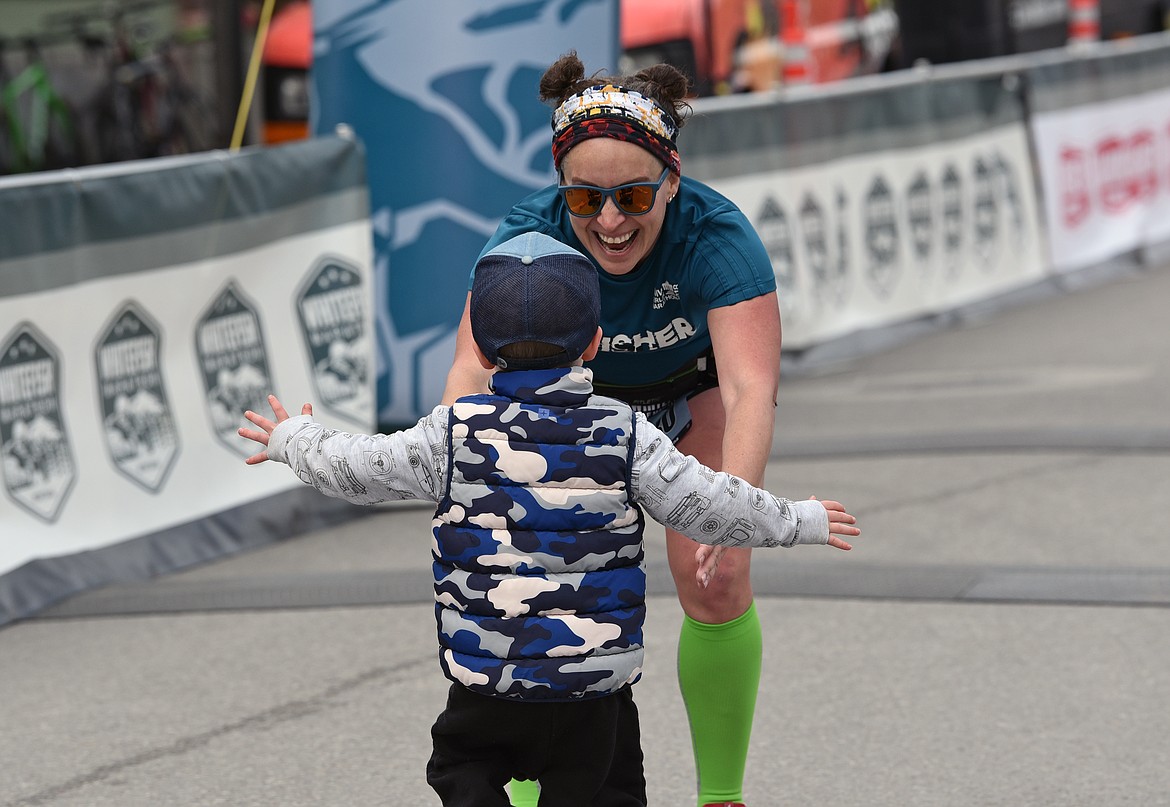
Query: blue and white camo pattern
x=539 y=583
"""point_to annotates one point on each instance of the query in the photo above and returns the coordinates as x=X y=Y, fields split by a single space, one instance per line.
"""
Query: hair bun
x=562 y=77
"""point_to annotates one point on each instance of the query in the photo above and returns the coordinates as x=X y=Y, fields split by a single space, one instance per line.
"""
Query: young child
x=538 y=556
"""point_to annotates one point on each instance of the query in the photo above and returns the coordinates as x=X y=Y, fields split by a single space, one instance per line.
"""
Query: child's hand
x=267 y=425
x=840 y=523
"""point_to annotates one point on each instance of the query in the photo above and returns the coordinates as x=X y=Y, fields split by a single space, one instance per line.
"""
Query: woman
x=691 y=337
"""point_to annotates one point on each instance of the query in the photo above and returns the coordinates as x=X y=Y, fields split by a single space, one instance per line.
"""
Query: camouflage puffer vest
x=539 y=584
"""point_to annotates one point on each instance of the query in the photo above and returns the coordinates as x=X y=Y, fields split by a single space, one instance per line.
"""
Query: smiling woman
x=690 y=339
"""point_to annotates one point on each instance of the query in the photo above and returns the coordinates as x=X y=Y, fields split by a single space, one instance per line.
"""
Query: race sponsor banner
x=135 y=337
x=444 y=95
x=867 y=241
x=1103 y=153
x=919 y=210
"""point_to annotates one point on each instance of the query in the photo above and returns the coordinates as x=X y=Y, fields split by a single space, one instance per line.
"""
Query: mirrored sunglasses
x=634 y=199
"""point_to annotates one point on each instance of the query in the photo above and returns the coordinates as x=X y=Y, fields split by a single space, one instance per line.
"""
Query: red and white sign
x=1106 y=171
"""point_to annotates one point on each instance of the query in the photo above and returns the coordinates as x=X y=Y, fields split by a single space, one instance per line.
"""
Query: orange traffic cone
x=797 y=67
x=1084 y=21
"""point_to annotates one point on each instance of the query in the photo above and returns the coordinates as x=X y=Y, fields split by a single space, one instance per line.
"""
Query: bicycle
x=145 y=107
x=37 y=119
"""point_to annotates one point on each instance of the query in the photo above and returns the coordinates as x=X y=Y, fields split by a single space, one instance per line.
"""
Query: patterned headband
x=607 y=110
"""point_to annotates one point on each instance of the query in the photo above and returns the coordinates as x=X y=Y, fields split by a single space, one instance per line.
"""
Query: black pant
x=585 y=753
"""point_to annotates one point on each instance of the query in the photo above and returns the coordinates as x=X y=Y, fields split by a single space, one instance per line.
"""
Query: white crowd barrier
x=143 y=307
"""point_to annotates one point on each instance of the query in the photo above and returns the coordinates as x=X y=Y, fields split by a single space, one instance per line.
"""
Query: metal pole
x=229 y=60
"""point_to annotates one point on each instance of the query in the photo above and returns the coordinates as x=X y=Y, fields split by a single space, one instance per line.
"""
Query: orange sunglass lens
x=583 y=202
x=636 y=199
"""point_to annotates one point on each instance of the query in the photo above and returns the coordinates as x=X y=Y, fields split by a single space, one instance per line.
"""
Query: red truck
x=735 y=45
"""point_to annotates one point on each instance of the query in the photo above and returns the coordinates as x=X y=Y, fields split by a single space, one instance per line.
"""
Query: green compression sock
x=719 y=675
x=524 y=793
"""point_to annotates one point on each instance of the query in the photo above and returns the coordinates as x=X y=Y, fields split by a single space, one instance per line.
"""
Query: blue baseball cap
x=533 y=288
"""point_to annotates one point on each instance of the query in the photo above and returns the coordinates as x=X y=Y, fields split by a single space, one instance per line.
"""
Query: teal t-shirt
x=654 y=319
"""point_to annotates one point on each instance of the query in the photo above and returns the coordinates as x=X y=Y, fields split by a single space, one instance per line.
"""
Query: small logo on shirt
x=667 y=291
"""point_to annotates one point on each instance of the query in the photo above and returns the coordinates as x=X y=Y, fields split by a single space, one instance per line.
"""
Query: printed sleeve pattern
x=366 y=469
x=714 y=507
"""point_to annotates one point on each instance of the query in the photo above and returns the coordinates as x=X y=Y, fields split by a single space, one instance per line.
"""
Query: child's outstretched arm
x=267 y=426
x=360 y=468
x=840 y=523
x=722 y=510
